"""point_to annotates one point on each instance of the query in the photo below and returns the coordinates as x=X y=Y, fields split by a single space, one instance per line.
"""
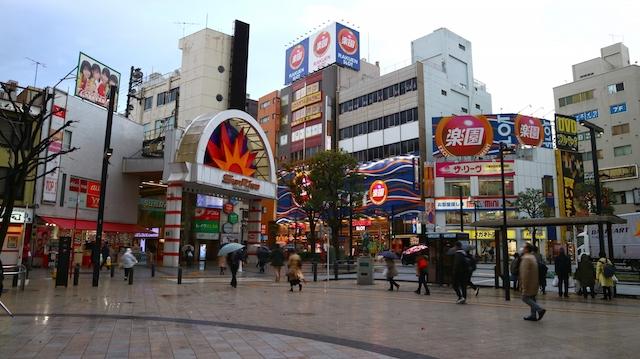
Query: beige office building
x=605 y=91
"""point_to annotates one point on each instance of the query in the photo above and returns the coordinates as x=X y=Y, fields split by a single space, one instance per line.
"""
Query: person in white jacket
x=128 y=261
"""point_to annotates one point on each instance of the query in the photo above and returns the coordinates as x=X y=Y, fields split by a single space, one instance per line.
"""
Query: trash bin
x=365 y=271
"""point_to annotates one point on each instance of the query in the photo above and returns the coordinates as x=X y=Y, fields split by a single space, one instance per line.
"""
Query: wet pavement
x=206 y=318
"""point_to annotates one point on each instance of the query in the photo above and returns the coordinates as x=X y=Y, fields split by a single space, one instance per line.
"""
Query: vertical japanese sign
x=57 y=120
x=570 y=172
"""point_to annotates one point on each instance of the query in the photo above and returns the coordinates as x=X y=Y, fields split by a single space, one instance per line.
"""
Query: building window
x=284 y=120
x=620 y=197
x=173 y=94
x=478 y=106
x=586 y=156
x=453 y=217
x=443 y=92
x=451 y=188
x=579 y=97
x=161 y=97
x=622 y=151
x=615 y=88
x=620 y=129
x=66 y=140
x=462 y=47
x=464 y=110
x=265 y=119
x=148 y=102
x=265 y=104
x=284 y=140
x=284 y=100
x=494 y=187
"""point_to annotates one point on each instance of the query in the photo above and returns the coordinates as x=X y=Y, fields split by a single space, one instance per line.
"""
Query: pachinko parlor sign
x=468 y=135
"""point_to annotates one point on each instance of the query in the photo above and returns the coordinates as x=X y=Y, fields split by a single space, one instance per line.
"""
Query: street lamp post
x=505 y=245
x=475 y=219
x=461 y=207
x=596 y=180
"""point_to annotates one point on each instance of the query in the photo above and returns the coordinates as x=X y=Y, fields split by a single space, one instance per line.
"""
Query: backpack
x=471 y=262
x=422 y=263
x=609 y=270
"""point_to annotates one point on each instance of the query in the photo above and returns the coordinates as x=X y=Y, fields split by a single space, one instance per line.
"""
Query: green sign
x=233 y=218
x=200 y=226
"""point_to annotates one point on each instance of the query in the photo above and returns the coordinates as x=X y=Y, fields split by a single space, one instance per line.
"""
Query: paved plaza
x=206 y=318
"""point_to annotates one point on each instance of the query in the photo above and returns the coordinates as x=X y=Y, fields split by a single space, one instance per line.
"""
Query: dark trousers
x=234 y=281
x=422 y=280
x=470 y=283
x=392 y=283
x=531 y=302
x=606 y=291
x=563 y=283
x=126 y=273
x=584 y=291
x=460 y=285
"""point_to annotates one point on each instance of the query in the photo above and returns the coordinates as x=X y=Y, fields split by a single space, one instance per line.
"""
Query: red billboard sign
x=378 y=192
x=207 y=214
x=464 y=136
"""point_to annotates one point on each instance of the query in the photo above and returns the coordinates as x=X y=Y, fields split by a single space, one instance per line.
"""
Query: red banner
x=207 y=214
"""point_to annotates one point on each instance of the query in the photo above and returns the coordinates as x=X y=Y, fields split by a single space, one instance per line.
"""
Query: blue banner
x=297 y=60
x=348 y=49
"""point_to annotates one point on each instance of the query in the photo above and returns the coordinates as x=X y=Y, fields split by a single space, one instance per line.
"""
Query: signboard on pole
x=94 y=80
x=58 y=116
x=566 y=133
x=83 y=192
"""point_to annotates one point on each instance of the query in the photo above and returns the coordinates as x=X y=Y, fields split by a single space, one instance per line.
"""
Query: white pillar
x=254 y=224
x=172 y=219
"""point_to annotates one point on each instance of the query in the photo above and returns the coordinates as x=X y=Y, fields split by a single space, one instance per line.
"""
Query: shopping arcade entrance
x=225 y=155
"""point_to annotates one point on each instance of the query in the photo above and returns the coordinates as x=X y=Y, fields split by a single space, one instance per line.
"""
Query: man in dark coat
x=460 y=273
x=563 y=270
x=233 y=260
x=586 y=275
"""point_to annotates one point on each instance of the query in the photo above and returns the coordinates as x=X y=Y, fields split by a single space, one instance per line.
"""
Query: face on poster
x=94 y=81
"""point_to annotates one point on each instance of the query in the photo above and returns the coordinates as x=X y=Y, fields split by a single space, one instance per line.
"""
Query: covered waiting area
x=600 y=221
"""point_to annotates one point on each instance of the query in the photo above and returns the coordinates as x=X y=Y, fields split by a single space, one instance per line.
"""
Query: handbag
x=555 y=281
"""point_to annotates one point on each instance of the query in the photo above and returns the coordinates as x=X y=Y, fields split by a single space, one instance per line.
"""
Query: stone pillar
x=172 y=219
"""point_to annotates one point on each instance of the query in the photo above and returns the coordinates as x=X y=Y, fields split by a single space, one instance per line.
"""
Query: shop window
x=451 y=189
x=453 y=217
x=494 y=187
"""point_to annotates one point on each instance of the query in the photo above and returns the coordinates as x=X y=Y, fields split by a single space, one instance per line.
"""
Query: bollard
x=179 y=275
x=314 y=269
x=131 y=276
x=495 y=278
x=335 y=270
x=113 y=269
x=76 y=274
x=24 y=280
x=15 y=280
x=153 y=270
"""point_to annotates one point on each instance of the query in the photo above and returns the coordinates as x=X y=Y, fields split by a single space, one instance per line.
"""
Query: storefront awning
x=82 y=224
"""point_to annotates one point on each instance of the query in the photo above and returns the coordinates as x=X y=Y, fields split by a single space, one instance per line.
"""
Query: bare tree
x=23 y=119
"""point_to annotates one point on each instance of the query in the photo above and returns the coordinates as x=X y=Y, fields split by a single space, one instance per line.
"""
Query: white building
x=449 y=85
x=605 y=91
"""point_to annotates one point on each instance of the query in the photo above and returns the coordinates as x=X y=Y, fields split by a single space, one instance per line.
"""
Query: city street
x=206 y=318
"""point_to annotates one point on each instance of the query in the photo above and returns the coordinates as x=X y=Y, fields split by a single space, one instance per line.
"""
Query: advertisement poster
x=348 y=53
x=566 y=133
x=94 y=81
x=477 y=168
x=207 y=220
x=58 y=116
x=297 y=57
x=468 y=135
x=570 y=172
x=323 y=48
x=84 y=193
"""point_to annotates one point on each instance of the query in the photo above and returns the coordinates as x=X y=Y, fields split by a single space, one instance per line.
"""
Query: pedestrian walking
x=529 y=285
x=586 y=275
x=460 y=273
x=605 y=272
x=222 y=263
x=422 y=269
x=491 y=253
x=294 y=274
x=277 y=261
x=390 y=272
x=128 y=261
x=104 y=254
x=233 y=261
x=515 y=268
x=563 y=270
x=472 y=264
x=263 y=257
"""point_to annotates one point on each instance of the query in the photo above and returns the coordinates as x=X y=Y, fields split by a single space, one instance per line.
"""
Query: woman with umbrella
x=188 y=251
x=391 y=270
x=263 y=256
x=234 y=256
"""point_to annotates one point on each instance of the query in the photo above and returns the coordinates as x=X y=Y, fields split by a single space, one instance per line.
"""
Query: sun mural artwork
x=228 y=150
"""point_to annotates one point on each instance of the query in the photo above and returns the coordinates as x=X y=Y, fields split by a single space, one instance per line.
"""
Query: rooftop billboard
x=94 y=81
x=333 y=44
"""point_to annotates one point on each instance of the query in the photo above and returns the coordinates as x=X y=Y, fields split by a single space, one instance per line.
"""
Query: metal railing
x=19 y=273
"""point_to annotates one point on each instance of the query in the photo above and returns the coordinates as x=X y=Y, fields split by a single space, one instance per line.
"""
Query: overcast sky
x=521 y=50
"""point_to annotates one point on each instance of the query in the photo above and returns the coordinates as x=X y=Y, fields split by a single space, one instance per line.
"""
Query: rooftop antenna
x=613 y=37
x=206 y=21
x=184 y=25
x=37 y=63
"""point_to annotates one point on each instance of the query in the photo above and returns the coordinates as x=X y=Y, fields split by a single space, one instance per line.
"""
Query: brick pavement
x=205 y=318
